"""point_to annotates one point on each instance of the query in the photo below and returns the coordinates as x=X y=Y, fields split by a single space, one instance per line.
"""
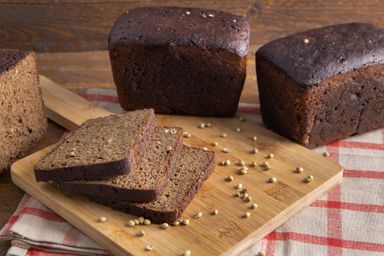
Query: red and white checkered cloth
x=347 y=221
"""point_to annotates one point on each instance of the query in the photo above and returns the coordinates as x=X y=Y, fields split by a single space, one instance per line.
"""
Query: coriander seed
x=205 y=148
x=306 y=40
x=254 y=138
x=137 y=222
x=185 y=222
x=149 y=248
x=253 y=164
x=269 y=156
x=226 y=150
x=242 y=119
x=187 y=253
x=299 y=169
x=215 y=212
x=229 y=178
x=253 y=206
x=201 y=125
x=198 y=215
x=131 y=223
x=272 y=180
x=254 y=151
x=239 y=186
x=240 y=163
x=102 y=219
x=325 y=154
x=147 y=222
x=238 y=129
x=224 y=135
x=214 y=144
x=164 y=226
x=176 y=223
x=140 y=233
x=246 y=215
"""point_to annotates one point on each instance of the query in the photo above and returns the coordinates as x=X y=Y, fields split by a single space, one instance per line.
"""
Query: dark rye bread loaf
x=146 y=180
x=324 y=84
x=192 y=168
x=100 y=148
x=22 y=118
x=179 y=60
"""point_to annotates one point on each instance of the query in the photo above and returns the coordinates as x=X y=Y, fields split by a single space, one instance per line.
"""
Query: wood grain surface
x=277 y=202
x=70 y=38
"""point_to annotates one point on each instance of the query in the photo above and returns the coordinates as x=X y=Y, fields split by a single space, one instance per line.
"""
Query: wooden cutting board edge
x=89 y=110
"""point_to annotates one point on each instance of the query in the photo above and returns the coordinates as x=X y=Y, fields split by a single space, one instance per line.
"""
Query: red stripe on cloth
x=33 y=252
x=42 y=214
x=364 y=174
x=356 y=144
x=334 y=227
x=249 y=110
x=71 y=237
x=270 y=247
x=349 y=206
x=335 y=242
x=102 y=98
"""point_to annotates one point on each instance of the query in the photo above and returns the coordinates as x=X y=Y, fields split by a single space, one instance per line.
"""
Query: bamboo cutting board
x=225 y=234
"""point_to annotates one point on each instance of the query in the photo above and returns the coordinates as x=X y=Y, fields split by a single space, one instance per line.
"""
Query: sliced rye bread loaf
x=193 y=166
x=146 y=181
x=100 y=148
x=22 y=118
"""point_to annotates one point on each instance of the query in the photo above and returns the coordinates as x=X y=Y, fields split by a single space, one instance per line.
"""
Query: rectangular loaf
x=22 y=118
x=324 y=84
x=193 y=166
x=179 y=60
x=100 y=148
x=146 y=180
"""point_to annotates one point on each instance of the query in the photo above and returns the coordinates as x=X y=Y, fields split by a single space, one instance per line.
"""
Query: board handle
x=67 y=108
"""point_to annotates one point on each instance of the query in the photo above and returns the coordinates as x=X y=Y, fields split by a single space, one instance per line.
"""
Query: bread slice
x=146 y=181
x=100 y=148
x=193 y=166
x=22 y=118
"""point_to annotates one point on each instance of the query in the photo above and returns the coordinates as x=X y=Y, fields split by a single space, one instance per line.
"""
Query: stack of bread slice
x=127 y=162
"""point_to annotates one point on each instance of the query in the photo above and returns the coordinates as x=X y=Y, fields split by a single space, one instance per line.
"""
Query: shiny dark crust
x=173 y=62
x=329 y=51
x=342 y=99
x=163 y=26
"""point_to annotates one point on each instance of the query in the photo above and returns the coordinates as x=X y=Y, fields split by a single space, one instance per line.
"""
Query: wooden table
x=70 y=38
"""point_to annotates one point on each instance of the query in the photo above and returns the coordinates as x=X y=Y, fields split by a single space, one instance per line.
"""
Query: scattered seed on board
x=247 y=199
x=137 y=222
x=260 y=254
x=226 y=150
x=254 y=138
x=239 y=186
x=208 y=125
x=224 y=135
x=211 y=15
x=131 y=223
x=185 y=222
x=325 y=154
x=149 y=247
x=247 y=215
x=229 y=178
x=254 y=151
x=186 y=253
x=141 y=233
x=253 y=206
x=243 y=170
x=101 y=219
x=205 y=148
x=308 y=179
x=188 y=12
x=173 y=131
x=215 y=212
x=242 y=119
x=240 y=163
x=245 y=195
x=227 y=162
x=306 y=40
x=141 y=220
x=266 y=166
x=238 y=194
x=214 y=144
x=201 y=125
x=164 y=226
x=269 y=156
x=299 y=169
x=198 y=215
x=176 y=223
x=72 y=153
x=253 y=164
x=238 y=129
x=169 y=148
x=272 y=180
x=187 y=135
x=147 y=222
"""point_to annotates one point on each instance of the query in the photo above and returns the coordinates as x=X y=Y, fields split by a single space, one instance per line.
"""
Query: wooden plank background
x=70 y=38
